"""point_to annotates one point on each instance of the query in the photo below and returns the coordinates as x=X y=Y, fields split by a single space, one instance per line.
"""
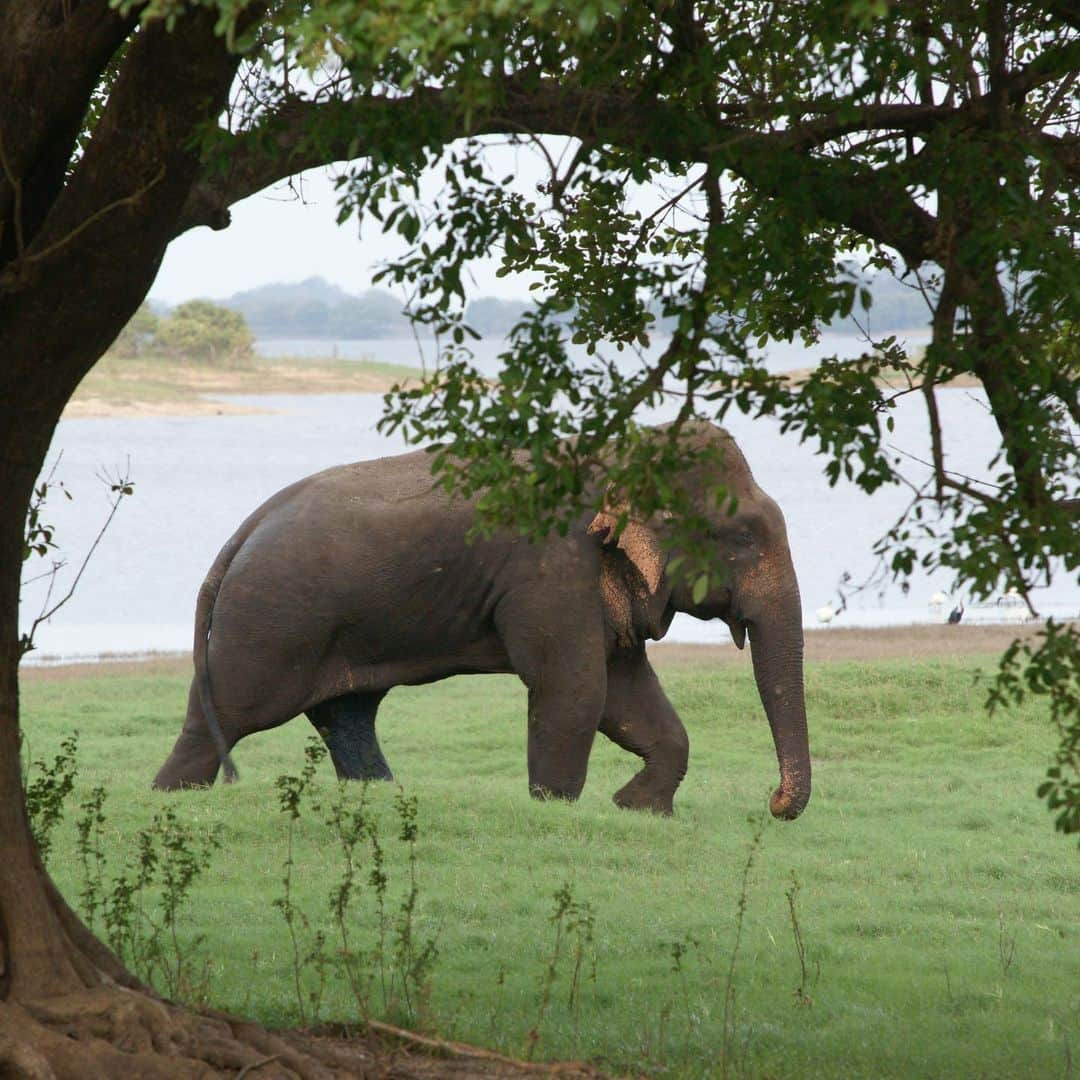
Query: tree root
x=570 y=1070
x=112 y=1031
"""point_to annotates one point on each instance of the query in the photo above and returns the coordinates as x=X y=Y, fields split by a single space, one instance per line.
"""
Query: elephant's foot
x=644 y=792
x=356 y=755
x=546 y=793
x=192 y=764
x=368 y=771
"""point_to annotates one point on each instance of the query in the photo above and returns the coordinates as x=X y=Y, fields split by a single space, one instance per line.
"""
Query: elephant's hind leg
x=194 y=759
x=347 y=725
x=639 y=718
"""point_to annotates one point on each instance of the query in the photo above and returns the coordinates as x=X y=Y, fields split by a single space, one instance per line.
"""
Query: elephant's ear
x=615 y=593
x=639 y=543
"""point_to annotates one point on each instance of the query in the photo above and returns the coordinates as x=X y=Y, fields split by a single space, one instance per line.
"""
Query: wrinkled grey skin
x=359 y=579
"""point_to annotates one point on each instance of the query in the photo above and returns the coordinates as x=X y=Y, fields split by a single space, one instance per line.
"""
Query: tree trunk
x=68 y=1007
x=33 y=954
x=75 y=262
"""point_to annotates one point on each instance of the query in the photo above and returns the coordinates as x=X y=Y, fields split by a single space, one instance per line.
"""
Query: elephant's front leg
x=639 y=718
x=562 y=727
x=565 y=675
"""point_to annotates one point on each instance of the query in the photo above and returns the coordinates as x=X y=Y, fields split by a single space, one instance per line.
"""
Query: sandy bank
x=150 y=388
x=82 y=408
x=961 y=382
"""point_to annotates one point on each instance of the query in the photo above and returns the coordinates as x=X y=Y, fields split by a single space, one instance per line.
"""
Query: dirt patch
x=885 y=643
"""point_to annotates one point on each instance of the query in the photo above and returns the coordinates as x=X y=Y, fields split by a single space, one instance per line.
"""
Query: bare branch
x=16 y=189
x=120 y=488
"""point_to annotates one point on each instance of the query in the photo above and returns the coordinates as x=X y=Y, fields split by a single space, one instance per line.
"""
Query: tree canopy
x=741 y=163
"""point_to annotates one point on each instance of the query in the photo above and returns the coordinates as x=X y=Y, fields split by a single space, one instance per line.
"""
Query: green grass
x=923 y=839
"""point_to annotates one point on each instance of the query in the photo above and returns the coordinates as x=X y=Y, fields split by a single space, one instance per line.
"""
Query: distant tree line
x=223 y=333
x=314 y=308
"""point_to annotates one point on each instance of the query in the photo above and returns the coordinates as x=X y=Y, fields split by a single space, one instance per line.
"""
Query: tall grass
x=921 y=919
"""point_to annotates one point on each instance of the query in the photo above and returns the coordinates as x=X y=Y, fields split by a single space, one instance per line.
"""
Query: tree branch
x=307 y=134
x=52 y=60
x=119 y=488
x=1065 y=10
x=124 y=200
x=91 y=268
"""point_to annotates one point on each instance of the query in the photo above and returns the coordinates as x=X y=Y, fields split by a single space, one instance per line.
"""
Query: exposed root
x=116 y=1032
x=20 y=1059
x=571 y=1070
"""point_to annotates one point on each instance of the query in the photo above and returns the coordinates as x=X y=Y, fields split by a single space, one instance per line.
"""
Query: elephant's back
x=379 y=483
x=350 y=545
x=382 y=482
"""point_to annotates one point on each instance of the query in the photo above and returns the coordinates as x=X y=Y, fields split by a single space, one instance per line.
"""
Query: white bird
x=826 y=614
x=938 y=600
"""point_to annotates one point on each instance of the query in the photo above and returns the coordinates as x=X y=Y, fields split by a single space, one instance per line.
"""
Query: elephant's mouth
x=659 y=627
x=737 y=627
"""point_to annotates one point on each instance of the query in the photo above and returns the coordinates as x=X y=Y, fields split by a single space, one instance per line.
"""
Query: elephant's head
x=757 y=595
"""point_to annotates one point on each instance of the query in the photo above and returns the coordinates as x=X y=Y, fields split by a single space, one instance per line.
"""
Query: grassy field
x=940 y=913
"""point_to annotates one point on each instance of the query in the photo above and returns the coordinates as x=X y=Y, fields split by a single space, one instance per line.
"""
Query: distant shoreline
x=330 y=339
x=834 y=644
x=897 y=381
x=153 y=387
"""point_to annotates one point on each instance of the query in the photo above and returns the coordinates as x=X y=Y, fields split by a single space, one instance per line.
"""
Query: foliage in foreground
x=928 y=903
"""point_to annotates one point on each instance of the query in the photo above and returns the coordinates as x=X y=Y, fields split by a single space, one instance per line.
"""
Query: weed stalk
x=801 y=992
x=727 y=1042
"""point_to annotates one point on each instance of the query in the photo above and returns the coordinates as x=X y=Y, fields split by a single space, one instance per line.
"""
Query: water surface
x=196 y=478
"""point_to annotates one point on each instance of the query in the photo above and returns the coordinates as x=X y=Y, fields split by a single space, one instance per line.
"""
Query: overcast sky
x=276 y=236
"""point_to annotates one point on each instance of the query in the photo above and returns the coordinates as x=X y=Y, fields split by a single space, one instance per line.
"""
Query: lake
x=196 y=478
x=778 y=356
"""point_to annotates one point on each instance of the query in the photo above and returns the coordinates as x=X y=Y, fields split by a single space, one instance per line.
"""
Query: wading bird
x=826 y=614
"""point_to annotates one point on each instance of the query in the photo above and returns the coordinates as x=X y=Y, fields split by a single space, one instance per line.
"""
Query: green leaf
x=701 y=588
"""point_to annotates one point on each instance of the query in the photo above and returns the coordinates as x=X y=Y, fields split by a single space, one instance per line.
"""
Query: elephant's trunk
x=776 y=644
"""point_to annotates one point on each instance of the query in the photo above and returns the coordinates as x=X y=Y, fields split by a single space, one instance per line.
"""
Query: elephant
x=362 y=578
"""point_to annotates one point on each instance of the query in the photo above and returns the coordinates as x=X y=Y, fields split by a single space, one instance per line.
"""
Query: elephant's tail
x=204 y=613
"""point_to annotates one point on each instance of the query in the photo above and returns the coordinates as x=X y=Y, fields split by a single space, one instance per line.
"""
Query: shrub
x=202 y=331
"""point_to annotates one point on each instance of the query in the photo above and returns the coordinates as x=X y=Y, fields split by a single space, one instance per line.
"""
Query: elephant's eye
x=732 y=537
